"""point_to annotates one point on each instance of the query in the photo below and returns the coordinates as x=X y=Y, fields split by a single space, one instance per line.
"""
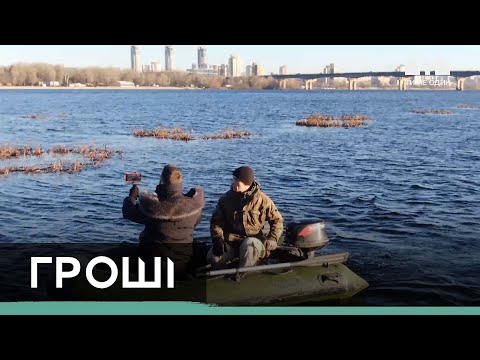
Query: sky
x=298 y=58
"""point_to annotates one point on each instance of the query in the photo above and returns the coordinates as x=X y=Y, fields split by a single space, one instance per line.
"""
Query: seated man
x=169 y=217
x=237 y=222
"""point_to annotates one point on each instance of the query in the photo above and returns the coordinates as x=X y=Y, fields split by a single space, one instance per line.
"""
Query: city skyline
x=298 y=58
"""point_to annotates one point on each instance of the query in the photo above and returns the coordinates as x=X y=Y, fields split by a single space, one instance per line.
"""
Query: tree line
x=36 y=74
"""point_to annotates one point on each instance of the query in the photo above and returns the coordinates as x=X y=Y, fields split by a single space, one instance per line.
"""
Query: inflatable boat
x=295 y=273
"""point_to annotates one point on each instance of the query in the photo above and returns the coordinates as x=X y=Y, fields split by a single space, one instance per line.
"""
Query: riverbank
x=194 y=88
x=96 y=88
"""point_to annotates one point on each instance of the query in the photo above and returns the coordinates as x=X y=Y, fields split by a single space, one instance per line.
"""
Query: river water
x=401 y=195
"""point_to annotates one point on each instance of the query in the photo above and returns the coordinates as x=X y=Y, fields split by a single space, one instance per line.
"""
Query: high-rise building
x=283 y=70
x=146 y=68
x=135 y=58
x=258 y=70
x=329 y=69
x=234 y=66
x=169 y=58
x=223 y=70
x=248 y=70
x=155 y=66
x=202 y=57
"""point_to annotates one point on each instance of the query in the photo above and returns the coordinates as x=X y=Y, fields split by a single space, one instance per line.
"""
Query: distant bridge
x=464 y=74
x=352 y=77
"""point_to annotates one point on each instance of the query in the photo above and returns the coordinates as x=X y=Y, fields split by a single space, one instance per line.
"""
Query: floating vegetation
x=90 y=152
x=57 y=167
x=179 y=134
x=346 y=121
x=161 y=133
x=228 y=134
x=37 y=151
x=59 y=150
x=94 y=155
x=436 y=112
x=33 y=116
x=8 y=152
x=61 y=115
x=466 y=106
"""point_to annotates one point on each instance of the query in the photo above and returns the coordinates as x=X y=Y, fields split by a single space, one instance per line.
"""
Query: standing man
x=169 y=216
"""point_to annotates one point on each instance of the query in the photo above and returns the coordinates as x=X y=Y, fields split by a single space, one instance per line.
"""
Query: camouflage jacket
x=238 y=215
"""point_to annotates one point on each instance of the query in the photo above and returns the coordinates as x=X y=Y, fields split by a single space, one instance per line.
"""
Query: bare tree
x=4 y=76
x=215 y=82
x=137 y=78
x=150 y=79
x=127 y=75
x=59 y=73
x=31 y=75
x=163 y=79
x=45 y=72
x=18 y=75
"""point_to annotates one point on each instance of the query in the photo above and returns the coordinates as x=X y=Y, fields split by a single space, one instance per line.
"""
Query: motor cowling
x=308 y=235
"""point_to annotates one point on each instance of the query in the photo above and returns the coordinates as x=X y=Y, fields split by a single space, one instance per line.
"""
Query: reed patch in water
x=61 y=115
x=429 y=111
x=228 y=134
x=345 y=121
x=56 y=167
x=467 y=106
x=96 y=156
x=33 y=116
x=91 y=152
x=163 y=133
x=8 y=151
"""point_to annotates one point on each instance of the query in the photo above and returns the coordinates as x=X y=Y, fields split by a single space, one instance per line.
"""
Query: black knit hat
x=245 y=175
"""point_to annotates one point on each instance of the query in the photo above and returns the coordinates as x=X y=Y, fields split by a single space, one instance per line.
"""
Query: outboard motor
x=306 y=235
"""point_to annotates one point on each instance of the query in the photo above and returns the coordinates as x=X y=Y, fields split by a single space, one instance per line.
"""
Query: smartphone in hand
x=133 y=177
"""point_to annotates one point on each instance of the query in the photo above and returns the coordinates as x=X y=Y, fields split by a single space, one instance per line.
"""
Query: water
x=400 y=195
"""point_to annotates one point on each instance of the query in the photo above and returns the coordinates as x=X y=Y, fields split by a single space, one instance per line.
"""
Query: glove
x=218 y=247
x=134 y=192
x=191 y=192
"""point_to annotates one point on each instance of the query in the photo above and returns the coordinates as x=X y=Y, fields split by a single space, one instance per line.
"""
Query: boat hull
x=275 y=287
x=294 y=286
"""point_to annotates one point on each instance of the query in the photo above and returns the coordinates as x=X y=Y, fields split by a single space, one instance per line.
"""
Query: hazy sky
x=298 y=58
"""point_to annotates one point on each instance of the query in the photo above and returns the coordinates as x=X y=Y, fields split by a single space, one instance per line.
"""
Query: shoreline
x=96 y=88
x=188 y=88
